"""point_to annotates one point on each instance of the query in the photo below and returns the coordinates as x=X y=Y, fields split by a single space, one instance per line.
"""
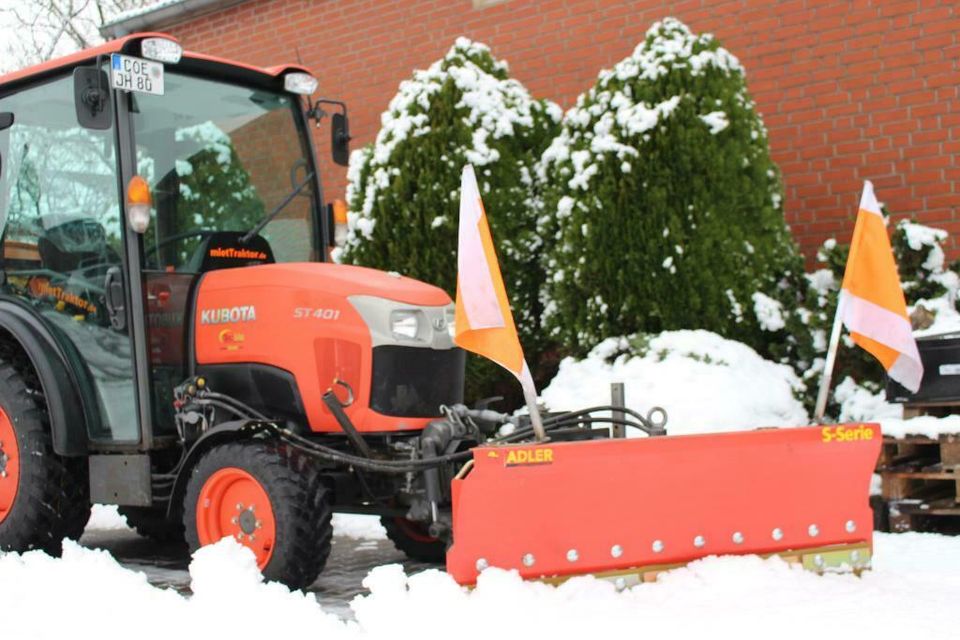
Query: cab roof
x=130 y=45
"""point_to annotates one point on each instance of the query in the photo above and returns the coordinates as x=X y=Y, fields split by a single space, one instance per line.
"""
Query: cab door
x=64 y=242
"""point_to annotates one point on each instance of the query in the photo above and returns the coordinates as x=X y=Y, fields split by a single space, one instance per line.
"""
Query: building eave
x=162 y=15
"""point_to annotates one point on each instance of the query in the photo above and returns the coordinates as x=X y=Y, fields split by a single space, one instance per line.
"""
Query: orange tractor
x=173 y=340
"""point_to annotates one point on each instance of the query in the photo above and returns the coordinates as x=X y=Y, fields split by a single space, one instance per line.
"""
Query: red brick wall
x=849 y=89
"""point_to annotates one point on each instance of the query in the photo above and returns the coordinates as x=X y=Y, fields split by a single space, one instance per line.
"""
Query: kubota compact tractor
x=174 y=341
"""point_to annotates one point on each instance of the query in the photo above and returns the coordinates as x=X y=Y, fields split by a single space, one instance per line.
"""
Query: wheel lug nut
x=239 y=506
x=235 y=520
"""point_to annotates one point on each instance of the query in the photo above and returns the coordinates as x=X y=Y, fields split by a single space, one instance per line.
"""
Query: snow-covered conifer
x=661 y=206
x=403 y=190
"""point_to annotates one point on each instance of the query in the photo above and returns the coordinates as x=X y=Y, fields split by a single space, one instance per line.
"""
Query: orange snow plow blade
x=626 y=508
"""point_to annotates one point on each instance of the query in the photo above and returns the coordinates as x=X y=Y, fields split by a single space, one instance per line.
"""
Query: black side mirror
x=91 y=98
x=340 y=138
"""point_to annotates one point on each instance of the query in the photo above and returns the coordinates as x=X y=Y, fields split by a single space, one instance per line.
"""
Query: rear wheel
x=43 y=497
x=414 y=541
x=269 y=500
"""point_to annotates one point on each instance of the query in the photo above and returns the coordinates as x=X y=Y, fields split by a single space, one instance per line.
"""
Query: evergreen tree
x=404 y=189
x=661 y=205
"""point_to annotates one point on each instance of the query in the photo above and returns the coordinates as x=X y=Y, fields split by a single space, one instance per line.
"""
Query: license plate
x=135 y=74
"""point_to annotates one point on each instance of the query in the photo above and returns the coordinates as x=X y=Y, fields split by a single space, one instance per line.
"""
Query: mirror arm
x=316 y=112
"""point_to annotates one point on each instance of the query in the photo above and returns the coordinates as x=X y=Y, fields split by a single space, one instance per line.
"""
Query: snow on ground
x=705 y=382
x=912 y=592
x=348 y=525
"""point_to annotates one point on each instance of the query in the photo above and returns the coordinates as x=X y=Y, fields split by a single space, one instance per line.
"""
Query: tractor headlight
x=302 y=83
x=405 y=324
x=161 y=50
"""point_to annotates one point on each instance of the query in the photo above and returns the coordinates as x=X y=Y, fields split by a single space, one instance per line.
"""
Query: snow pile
x=705 y=382
x=733 y=597
x=106 y=517
x=358 y=527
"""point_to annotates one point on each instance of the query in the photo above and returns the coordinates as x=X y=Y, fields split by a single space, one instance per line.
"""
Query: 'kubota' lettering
x=227 y=315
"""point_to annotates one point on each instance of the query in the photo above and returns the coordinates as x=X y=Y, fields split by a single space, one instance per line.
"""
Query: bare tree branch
x=32 y=31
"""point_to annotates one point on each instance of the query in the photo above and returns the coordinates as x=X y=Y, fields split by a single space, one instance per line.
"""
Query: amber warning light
x=339 y=222
x=139 y=203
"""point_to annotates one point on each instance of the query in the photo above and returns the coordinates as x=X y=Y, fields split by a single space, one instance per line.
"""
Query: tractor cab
x=126 y=173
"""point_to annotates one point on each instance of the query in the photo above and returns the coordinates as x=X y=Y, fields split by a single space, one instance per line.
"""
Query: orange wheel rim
x=234 y=504
x=9 y=465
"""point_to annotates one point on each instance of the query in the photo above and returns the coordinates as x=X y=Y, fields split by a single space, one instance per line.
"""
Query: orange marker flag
x=484 y=323
x=872 y=305
x=874 y=309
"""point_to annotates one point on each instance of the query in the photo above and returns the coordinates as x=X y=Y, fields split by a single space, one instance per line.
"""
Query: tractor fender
x=220 y=434
x=63 y=384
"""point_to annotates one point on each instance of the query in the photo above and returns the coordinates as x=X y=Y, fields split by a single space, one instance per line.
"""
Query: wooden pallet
x=920 y=488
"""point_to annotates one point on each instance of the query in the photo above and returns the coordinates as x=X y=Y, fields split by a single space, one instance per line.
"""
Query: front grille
x=412 y=382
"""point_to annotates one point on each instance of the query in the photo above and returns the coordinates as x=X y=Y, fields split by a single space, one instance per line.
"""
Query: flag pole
x=828 y=366
x=530 y=396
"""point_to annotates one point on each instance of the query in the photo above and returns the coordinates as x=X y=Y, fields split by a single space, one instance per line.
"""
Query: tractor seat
x=73 y=245
x=224 y=250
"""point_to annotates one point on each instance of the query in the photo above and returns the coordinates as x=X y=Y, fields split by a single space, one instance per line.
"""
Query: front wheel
x=267 y=499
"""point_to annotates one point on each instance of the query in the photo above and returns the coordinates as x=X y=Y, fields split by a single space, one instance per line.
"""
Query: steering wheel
x=177 y=237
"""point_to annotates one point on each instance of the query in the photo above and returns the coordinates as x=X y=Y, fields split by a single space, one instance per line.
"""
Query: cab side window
x=59 y=210
x=61 y=232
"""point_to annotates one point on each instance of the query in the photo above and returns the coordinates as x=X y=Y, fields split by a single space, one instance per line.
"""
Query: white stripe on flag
x=868 y=201
x=907 y=372
x=888 y=328
x=882 y=325
x=473 y=271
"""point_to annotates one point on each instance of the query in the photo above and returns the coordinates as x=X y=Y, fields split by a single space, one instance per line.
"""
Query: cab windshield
x=220 y=157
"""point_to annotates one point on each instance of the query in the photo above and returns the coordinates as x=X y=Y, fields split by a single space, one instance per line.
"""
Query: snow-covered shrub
x=403 y=190
x=661 y=205
x=930 y=288
x=920 y=259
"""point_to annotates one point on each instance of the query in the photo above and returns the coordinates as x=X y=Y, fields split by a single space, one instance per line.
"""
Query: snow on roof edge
x=161 y=13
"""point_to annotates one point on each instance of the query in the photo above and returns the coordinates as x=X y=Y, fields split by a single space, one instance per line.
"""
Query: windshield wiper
x=270 y=216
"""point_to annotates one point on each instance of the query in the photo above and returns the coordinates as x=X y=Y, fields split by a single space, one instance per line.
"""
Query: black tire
x=153 y=523
x=412 y=539
x=52 y=501
x=300 y=504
